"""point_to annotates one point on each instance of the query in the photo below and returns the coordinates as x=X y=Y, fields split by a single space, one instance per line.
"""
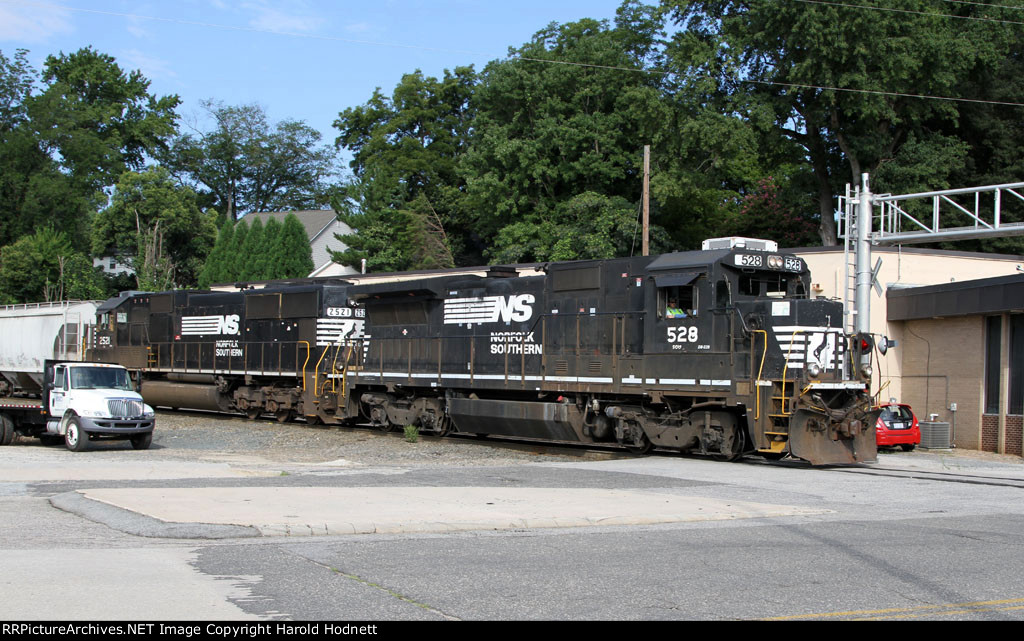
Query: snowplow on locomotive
x=719 y=351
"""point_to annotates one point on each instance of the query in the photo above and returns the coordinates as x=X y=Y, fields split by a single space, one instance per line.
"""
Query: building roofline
x=959 y=298
x=877 y=249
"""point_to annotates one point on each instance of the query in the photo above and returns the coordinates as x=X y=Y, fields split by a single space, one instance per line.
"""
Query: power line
x=211 y=25
x=885 y=93
x=985 y=4
x=920 y=13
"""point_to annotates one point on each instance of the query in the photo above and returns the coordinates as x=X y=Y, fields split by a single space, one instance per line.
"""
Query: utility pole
x=647 y=200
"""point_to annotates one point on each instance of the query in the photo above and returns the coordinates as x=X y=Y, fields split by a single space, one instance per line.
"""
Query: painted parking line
x=947 y=609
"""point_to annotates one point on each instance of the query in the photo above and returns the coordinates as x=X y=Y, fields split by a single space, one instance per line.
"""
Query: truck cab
x=92 y=401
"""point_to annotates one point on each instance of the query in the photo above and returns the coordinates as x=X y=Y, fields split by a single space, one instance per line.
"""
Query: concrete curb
x=141 y=525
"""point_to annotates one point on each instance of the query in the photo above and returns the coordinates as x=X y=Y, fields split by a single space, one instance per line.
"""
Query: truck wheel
x=142 y=441
x=6 y=430
x=75 y=438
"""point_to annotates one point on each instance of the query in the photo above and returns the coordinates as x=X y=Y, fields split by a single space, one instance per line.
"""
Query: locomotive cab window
x=762 y=284
x=677 y=296
x=677 y=302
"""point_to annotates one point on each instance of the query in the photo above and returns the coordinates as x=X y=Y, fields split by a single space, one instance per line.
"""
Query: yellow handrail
x=316 y=370
x=304 y=367
x=757 y=386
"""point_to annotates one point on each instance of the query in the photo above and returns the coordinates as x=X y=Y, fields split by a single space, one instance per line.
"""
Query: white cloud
x=359 y=27
x=152 y=68
x=292 y=16
x=24 y=23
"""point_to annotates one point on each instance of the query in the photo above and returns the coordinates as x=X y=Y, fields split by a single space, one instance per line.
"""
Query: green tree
x=405 y=147
x=45 y=266
x=234 y=262
x=34 y=191
x=296 y=254
x=62 y=145
x=244 y=165
x=248 y=260
x=215 y=269
x=150 y=207
x=567 y=115
x=268 y=259
x=840 y=82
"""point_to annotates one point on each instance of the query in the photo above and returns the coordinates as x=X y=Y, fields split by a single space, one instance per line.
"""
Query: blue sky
x=299 y=59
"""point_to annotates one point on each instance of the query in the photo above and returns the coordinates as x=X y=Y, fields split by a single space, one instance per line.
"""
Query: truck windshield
x=100 y=378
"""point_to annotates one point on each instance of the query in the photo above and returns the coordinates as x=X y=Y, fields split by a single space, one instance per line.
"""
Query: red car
x=897 y=425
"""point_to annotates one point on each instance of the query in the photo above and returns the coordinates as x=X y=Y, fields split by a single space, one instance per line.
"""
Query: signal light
x=862 y=344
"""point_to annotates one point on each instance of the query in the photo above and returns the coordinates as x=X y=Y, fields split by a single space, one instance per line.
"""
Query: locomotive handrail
x=757 y=386
x=785 y=368
x=316 y=370
x=308 y=350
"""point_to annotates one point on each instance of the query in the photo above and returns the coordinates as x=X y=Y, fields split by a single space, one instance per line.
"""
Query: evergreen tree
x=248 y=259
x=268 y=263
x=232 y=269
x=295 y=252
x=216 y=269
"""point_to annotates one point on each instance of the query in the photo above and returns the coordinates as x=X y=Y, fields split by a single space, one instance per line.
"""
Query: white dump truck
x=51 y=393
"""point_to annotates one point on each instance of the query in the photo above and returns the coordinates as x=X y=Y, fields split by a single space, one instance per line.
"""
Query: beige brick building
x=946 y=309
x=963 y=358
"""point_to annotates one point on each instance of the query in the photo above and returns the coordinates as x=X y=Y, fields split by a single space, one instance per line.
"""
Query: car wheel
x=6 y=430
x=142 y=441
x=908 y=447
x=75 y=438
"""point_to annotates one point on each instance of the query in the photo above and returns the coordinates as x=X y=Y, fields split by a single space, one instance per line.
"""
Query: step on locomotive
x=720 y=352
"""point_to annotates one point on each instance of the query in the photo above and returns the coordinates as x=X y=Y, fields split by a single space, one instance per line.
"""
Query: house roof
x=313 y=220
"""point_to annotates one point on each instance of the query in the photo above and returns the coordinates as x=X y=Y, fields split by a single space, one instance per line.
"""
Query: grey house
x=321 y=226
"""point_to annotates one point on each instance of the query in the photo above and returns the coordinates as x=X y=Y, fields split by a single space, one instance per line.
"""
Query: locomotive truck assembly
x=719 y=351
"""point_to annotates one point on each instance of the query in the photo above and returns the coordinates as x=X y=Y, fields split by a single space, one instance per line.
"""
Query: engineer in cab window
x=673 y=310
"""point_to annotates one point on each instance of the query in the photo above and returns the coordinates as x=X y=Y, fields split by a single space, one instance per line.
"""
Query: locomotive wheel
x=635 y=440
x=642 y=447
x=283 y=416
x=253 y=413
x=443 y=426
x=733 y=447
x=314 y=420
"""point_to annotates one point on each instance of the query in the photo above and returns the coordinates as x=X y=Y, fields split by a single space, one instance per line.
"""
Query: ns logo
x=489 y=309
x=227 y=324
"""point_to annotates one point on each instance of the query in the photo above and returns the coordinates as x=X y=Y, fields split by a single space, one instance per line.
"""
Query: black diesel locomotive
x=719 y=351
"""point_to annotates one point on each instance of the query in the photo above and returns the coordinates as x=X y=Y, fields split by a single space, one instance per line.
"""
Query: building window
x=1016 y=405
x=993 y=338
